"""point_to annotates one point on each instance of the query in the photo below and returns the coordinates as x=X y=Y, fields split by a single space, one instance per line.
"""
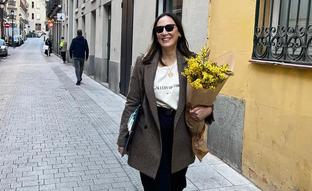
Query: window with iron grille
x=283 y=32
x=38 y=26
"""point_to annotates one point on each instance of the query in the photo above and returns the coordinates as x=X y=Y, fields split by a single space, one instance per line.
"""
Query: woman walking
x=162 y=147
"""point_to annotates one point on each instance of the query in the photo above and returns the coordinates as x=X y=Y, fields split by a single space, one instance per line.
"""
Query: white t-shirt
x=167 y=87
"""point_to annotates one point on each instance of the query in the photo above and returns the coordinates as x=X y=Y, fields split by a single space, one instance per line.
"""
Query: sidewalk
x=209 y=175
x=56 y=136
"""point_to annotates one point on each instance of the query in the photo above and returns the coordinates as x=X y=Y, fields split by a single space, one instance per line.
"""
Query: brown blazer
x=145 y=151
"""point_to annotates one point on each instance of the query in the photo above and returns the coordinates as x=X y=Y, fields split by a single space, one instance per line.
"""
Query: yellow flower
x=203 y=73
x=197 y=84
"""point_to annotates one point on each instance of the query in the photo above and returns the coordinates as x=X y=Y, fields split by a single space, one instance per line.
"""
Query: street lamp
x=2 y=5
x=12 y=15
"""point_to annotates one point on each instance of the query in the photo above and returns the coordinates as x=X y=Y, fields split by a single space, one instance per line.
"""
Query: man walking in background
x=48 y=42
x=79 y=51
x=63 y=47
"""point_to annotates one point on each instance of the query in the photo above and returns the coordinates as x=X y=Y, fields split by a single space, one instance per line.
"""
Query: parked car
x=3 y=48
x=17 y=41
x=21 y=39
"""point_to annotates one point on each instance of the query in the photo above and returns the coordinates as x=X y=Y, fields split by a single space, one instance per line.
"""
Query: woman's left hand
x=199 y=113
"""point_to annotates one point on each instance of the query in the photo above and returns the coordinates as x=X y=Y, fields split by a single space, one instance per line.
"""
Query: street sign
x=7 y=25
x=60 y=16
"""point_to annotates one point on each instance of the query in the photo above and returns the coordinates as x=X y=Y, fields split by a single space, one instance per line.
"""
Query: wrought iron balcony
x=23 y=5
x=5 y=14
x=53 y=7
x=12 y=3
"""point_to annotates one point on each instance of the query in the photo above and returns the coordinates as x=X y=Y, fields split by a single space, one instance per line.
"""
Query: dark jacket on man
x=79 y=48
x=48 y=42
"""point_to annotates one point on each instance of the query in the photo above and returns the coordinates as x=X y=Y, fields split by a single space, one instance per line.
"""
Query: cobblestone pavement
x=55 y=135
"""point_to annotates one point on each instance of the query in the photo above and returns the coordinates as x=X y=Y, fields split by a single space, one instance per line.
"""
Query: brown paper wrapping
x=198 y=129
x=203 y=97
x=199 y=143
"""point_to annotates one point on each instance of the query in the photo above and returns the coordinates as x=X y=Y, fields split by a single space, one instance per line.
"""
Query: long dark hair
x=155 y=47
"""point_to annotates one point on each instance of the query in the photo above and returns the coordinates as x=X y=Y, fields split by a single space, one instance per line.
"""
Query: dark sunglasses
x=160 y=29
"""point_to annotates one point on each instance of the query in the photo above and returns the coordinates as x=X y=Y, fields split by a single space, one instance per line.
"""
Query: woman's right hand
x=199 y=113
x=121 y=150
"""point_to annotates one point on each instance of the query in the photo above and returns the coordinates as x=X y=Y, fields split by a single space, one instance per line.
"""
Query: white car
x=3 y=48
x=17 y=41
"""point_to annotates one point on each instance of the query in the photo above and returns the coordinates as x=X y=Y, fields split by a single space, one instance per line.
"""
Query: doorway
x=91 y=67
x=126 y=45
x=107 y=29
x=83 y=26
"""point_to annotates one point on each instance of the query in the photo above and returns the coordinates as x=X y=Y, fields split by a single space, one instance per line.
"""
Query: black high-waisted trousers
x=165 y=181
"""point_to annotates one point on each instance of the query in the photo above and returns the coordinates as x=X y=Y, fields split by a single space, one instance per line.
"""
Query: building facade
x=54 y=23
x=17 y=16
x=37 y=16
x=118 y=31
x=265 y=111
x=263 y=115
x=23 y=17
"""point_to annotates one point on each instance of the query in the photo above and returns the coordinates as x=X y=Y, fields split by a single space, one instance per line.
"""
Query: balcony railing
x=23 y=5
x=12 y=3
x=53 y=7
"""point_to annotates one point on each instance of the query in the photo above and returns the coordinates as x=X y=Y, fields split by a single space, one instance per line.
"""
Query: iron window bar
x=283 y=31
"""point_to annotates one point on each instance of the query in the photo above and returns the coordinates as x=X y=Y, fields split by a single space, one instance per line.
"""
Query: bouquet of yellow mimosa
x=205 y=80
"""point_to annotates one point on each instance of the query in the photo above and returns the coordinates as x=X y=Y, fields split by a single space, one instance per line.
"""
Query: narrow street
x=55 y=135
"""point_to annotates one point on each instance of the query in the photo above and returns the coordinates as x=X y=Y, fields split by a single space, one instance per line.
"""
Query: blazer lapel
x=149 y=76
x=182 y=95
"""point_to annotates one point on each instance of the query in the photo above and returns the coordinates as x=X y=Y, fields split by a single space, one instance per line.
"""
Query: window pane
x=310 y=17
x=38 y=26
x=172 y=6
x=293 y=13
x=275 y=13
x=303 y=15
x=284 y=11
x=160 y=7
x=264 y=14
x=309 y=29
x=175 y=6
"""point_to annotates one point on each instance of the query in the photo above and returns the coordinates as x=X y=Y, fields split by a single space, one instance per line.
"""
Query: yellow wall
x=277 y=148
